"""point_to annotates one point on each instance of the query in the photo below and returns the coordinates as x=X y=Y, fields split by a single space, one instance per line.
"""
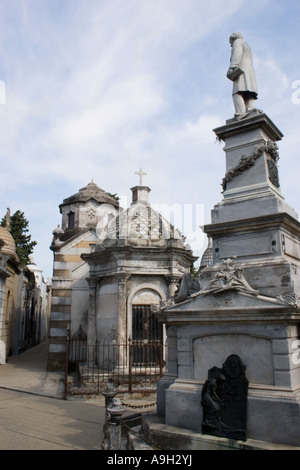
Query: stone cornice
x=131 y=250
x=254 y=121
x=190 y=311
x=254 y=224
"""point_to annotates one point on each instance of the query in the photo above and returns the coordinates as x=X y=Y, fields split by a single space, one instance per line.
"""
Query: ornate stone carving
x=248 y=161
x=122 y=277
x=229 y=278
x=273 y=173
x=187 y=286
x=163 y=304
x=291 y=300
x=154 y=308
x=224 y=400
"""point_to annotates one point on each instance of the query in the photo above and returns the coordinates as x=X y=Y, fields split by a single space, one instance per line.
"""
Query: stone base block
x=273 y=414
x=169 y=437
x=162 y=387
x=257 y=205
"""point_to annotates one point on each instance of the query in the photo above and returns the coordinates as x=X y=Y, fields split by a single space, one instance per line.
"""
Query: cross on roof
x=141 y=174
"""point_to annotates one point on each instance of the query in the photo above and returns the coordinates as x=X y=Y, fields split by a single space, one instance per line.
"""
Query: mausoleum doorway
x=147 y=336
x=144 y=329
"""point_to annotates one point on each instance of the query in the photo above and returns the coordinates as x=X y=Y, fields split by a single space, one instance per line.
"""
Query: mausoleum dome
x=91 y=191
x=207 y=257
x=140 y=224
x=9 y=247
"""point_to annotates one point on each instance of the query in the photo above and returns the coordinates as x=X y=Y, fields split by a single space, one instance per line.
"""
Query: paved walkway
x=34 y=422
x=33 y=415
x=28 y=373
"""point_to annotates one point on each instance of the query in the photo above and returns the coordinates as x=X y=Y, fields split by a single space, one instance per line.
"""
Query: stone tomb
x=209 y=327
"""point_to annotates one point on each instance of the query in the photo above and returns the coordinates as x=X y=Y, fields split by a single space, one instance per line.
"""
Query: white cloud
x=97 y=89
x=273 y=82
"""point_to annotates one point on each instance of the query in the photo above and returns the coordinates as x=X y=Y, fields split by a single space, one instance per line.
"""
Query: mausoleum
x=110 y=266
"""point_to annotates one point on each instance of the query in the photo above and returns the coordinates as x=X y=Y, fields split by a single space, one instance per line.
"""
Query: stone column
x=91 y=323
x=173 y=283
x=122 y=279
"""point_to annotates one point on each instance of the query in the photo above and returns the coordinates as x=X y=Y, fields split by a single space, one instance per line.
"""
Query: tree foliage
x=20 y=233
x=114 y=196
x=194 y=271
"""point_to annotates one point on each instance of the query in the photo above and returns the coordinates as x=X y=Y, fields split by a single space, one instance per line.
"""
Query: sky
x=96 y=89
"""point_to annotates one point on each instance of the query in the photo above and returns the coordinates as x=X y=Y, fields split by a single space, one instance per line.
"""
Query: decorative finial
x=7 y=219
x=141 y=174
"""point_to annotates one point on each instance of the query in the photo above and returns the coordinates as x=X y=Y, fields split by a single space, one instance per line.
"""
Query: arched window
x=71 y=219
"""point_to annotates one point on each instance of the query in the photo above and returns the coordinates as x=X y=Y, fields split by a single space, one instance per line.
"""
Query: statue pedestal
x=253 y=222
x=251 y=183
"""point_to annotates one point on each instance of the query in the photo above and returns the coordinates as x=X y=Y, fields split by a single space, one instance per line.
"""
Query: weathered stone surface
x=249 y=189
x=2 y=352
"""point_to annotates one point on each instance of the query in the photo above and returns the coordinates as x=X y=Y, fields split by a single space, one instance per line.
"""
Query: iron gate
x=146 y=333
x=133 y=365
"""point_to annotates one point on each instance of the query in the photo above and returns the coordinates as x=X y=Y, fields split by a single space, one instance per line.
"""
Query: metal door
x=146 y=336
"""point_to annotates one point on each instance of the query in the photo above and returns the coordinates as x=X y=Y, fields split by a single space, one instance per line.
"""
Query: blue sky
x=96 y=89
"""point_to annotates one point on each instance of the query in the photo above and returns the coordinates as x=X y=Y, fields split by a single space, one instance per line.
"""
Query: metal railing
x=133 y=365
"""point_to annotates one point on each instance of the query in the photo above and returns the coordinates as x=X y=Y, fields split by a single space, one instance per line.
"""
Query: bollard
x=109 y=393
x=115 y=413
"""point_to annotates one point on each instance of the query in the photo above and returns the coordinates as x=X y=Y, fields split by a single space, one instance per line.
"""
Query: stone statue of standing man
x=241 y=73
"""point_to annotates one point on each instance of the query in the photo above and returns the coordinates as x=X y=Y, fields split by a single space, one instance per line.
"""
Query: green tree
x=114 y=196
x=194 y=271
x=20 y=232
